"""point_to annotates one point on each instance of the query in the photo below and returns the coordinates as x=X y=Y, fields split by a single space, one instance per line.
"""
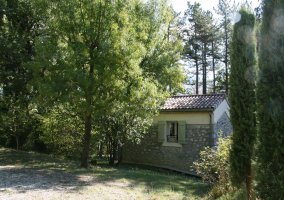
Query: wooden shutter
x=181 y=132
x=161 y=131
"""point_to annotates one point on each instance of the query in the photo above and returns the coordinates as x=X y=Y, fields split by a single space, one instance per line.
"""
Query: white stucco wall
x=221 y=121
x=189 y=117
x=219 y=111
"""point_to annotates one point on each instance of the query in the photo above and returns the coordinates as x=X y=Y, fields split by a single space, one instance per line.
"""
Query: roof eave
x=188 y=110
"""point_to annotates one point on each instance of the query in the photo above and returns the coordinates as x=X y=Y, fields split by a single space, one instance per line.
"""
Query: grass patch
x=144 y=183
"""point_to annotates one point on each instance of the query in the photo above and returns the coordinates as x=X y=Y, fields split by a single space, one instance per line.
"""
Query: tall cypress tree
x=242 y=99
x=270 y=106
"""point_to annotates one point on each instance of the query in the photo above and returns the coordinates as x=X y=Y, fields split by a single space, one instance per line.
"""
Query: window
x=172 y=132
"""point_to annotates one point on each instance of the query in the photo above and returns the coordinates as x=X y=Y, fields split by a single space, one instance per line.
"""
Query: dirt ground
x=40 y=184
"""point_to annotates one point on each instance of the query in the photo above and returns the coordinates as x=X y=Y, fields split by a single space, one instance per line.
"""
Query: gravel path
x=19 y=183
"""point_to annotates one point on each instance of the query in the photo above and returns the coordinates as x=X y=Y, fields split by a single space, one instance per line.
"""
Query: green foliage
x=220 y=80
x=15 y=124
x=18 y=29
x=107 y=59
x=214 y=167
x=162 y=57
x=242 y=98
x=128 y=119
x=201 y=42
x=225 y=9
x=270 y=110
x=17 y=33
x=234 y=195
x=62 y=131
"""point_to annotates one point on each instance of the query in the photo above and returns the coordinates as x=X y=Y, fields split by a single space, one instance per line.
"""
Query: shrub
x=214 y=167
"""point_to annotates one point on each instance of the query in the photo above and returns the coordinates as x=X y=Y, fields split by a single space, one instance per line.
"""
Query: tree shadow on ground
x=23 y=171
x=152 y=178
x=24 y=179
x=34 y=160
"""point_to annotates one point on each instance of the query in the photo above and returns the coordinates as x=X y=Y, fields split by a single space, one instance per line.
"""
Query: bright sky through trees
x=181 y=5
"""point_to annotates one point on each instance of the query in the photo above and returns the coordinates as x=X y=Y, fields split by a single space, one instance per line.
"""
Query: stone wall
x=179 y=157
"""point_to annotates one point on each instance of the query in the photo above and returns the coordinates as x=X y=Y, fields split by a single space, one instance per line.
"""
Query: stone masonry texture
x=151 y=152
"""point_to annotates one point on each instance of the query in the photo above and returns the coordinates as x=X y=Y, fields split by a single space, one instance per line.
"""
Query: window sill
x=171 y=144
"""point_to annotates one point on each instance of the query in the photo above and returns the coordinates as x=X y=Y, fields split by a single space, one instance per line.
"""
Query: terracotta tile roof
x=193 y=102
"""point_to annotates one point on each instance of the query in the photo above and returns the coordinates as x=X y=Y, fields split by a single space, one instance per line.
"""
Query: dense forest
x=79 y=78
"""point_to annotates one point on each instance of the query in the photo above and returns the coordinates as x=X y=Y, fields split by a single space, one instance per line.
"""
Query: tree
x=242 y=100
x=225 y=9
x=270 y=90
x=163 y=46
x=131 y=112
x=215 y=53
x=192 y=46
x=199 y=37
x=92 y=50
x=19 y=25
x=206 y=39
x=128 y=120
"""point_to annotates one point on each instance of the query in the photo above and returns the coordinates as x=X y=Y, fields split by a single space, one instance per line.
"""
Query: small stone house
x=185 y=125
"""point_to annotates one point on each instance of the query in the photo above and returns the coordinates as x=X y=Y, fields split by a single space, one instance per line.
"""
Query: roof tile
x=193 y=102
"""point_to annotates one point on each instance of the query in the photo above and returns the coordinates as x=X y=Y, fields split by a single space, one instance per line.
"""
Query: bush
x=214 y=167
x=62 y=131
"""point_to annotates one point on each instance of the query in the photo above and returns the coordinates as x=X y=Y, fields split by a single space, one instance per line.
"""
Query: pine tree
x=225 y=9
x=242 y=99
x=200 y=32
x=206 y=39
x=192 y=46
x=270 y=107
x=215 y=51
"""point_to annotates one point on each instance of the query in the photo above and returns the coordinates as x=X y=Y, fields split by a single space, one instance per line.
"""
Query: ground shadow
x=25 y=171
x=24 y=179
x=34 y=160
x=153 y=178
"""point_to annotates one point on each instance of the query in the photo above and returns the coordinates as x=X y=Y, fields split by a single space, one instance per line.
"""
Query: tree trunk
x=86 y=140
x=101 y=149
x=204 y=69
x=249 y=189
x=119 y=154
x=17 y=142
x=213 y=68
x=113 y=152
x=88 y=111
x=111 y=156
x=196 y=65
x=226 y=56
x=197 y=74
